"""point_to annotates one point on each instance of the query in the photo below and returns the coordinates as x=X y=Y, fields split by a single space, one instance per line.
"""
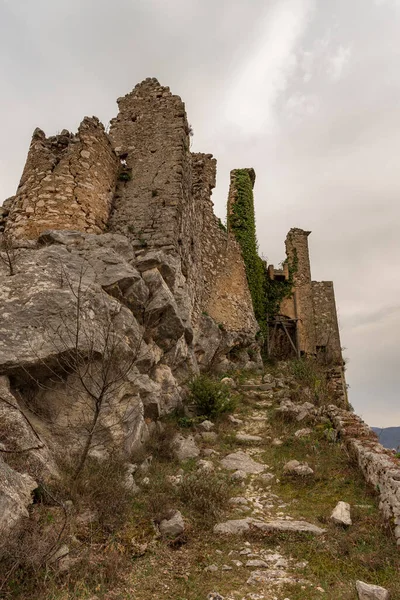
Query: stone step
x=259 y=387
x=241 y=526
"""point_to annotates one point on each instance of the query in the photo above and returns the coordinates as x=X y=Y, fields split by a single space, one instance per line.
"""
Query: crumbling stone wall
x=297 y=252
x=224 y=293
x=151 y=136
x=326 y=322
x=379 y=466
x=67 y=183
x=163 y=201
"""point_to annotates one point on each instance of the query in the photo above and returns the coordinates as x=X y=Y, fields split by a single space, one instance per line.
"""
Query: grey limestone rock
x=240 y=461
x=246 y=438
x=294 y=467
x=185 y=447
x=206 y=425
x=366 y=591
x=15 y=496
x=233 y=527
x=173 y=526
x=341 y=514
x=241 y=526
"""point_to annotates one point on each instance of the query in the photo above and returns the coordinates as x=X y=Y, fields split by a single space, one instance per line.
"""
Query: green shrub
x=124 y=176
x=211 y=398
x=207 y=496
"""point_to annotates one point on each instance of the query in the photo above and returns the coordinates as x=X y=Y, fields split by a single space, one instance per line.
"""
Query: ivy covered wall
x=266 y=294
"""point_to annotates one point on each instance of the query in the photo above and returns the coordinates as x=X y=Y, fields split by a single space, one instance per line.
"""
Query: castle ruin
x=113 y=236
x=142 y=181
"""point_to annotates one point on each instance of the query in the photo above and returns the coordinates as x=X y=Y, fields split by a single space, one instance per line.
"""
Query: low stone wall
x=379 y=466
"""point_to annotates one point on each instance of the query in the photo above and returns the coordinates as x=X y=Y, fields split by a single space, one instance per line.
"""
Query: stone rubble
x=341 y=514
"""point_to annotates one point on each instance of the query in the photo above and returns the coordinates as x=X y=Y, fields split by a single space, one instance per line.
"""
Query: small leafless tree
x=7 y=253
x=94 y=359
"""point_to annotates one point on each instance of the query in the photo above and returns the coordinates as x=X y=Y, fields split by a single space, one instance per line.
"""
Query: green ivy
x=241 y=221
x=266 y=294
x=276 y=291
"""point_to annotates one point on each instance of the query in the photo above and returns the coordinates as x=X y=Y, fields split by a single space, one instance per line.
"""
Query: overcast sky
x=305 y=91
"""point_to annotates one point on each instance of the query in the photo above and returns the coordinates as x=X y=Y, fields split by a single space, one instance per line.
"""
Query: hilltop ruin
x=119 y=284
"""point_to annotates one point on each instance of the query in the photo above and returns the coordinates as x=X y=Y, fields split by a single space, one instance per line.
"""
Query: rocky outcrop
x=88 y=322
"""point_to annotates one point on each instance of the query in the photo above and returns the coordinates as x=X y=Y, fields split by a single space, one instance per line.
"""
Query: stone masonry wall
x=151 y=188
x=198 y=225
x=326 y=323
x=165 y=203
x=379 y=466
x=224 y=294
x=67 y=183
x=151 y=135
x=297 y=250
x=227 y=296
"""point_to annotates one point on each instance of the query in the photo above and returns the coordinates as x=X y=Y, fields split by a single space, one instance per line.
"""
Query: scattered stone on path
x=267 y=477
x=366 y=591
x=238 y=500
x=288 y=526
x=257 y=387
x=185 y=448
x=303 y=432
x=215 y=596
x=257 y=563
x=243 y=462
x=296 y=412
x=247 y=438
x=262 y=577
x=341 y=514
x=209 y=452
x=211 y=569
x=173 y=526
x=238 y=475
x=206 y=425
x=277 y=442
x=206 y=466
x=228 y=381
x=233 y=527
x=294 y=467
x=234 y=420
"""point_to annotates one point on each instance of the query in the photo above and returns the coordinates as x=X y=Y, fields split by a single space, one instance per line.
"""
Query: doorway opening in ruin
x=282 y=342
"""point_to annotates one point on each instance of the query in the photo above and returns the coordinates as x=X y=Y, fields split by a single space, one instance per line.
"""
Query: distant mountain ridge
x=388 y=436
